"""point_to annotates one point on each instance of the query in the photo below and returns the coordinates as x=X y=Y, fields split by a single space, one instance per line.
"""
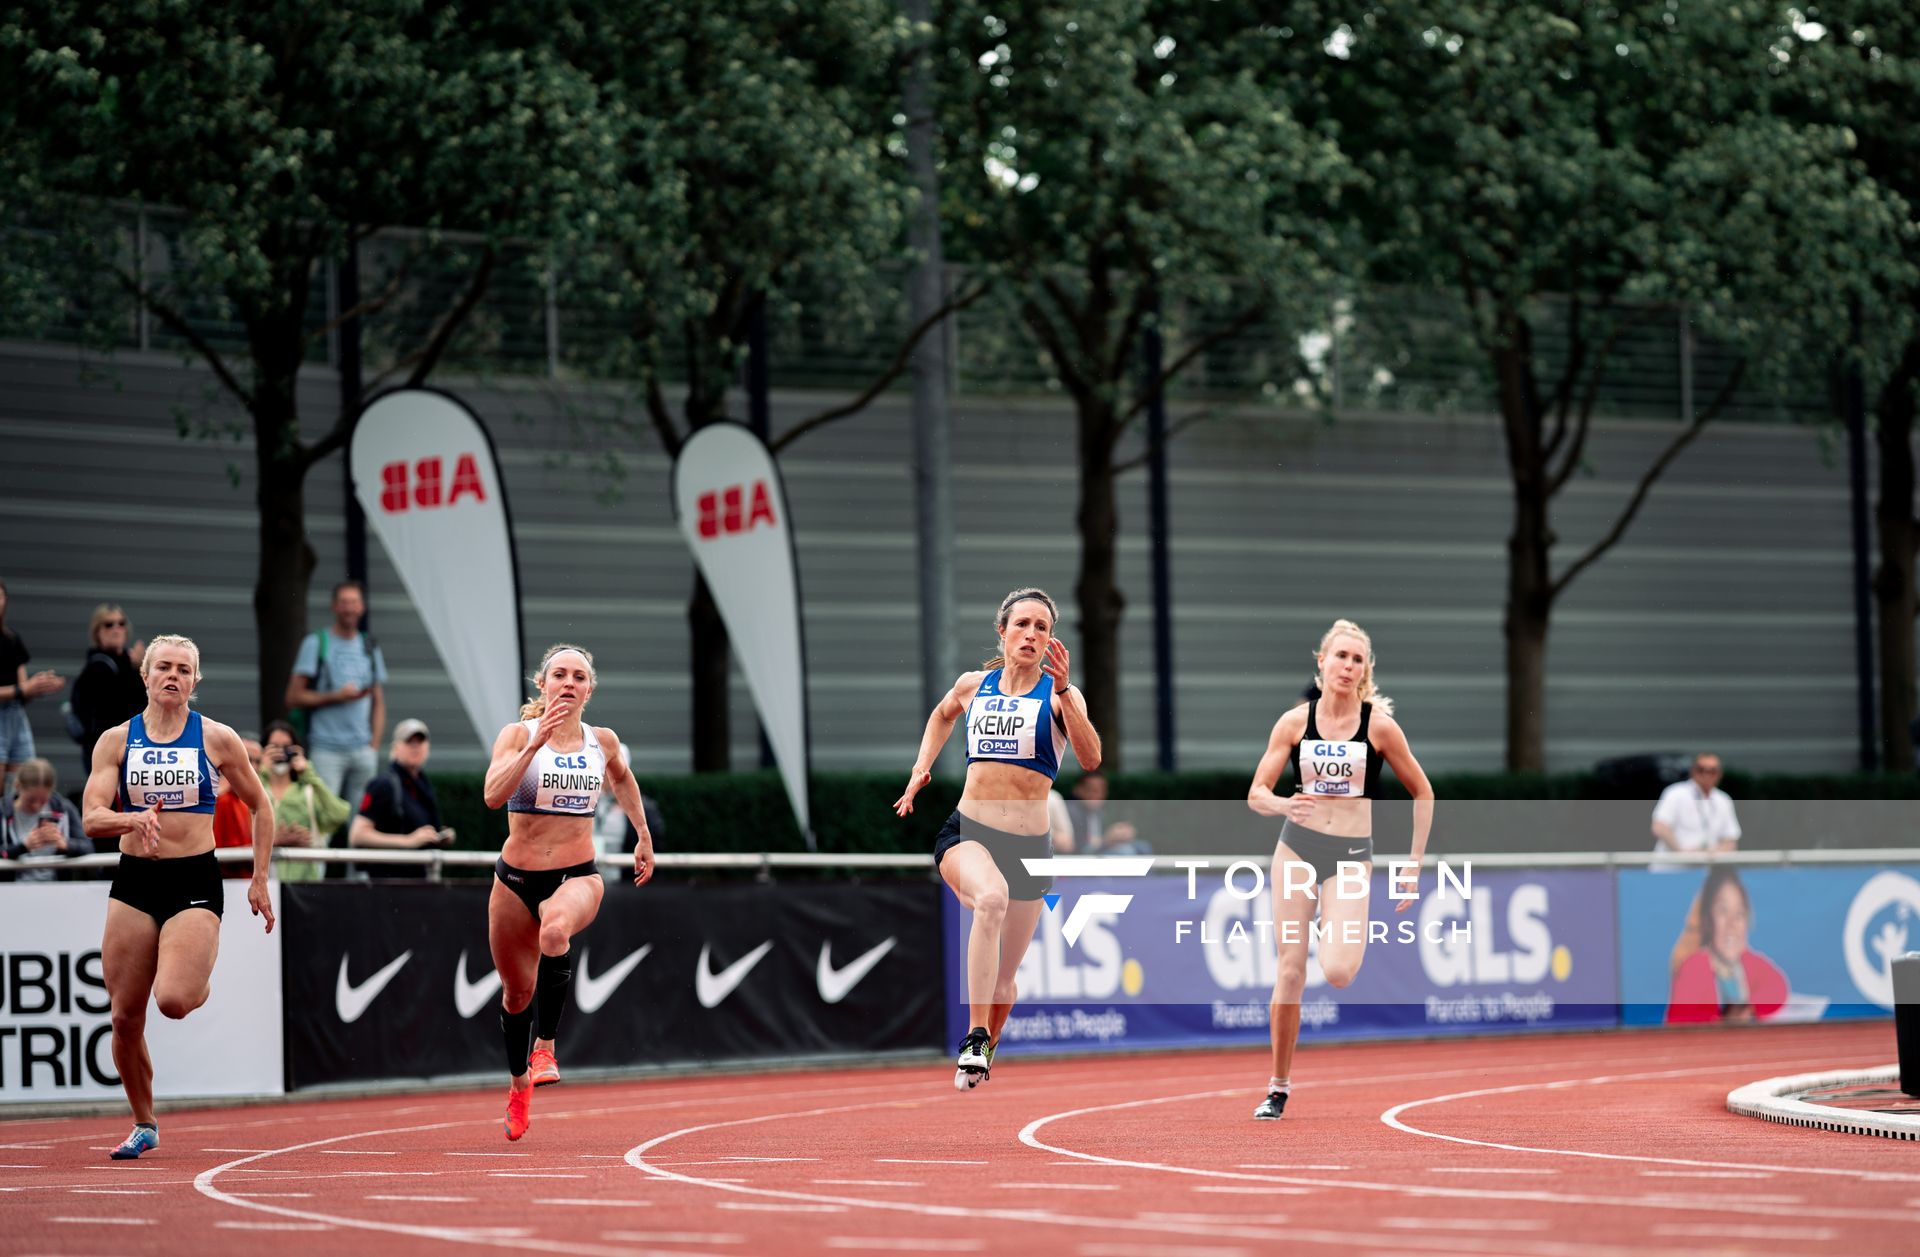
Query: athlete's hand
x=1055 y=662
x=1300 y=808
x=550 y=720
x=643 y=860
x=1408 y=883
x=259 y=901
x=904 y=804
x=146 y=827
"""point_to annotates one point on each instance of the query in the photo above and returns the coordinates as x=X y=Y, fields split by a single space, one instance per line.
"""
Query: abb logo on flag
x=422 y=484
x=728 y=511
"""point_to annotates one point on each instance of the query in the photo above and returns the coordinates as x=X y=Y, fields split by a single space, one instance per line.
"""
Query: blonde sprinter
x=1336 y=744
x=152 y=787
x=1020 y=712
x=548 y=770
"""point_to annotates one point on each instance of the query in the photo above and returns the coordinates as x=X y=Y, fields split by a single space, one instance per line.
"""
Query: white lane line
x=1706 y=1173
x=248 y=1224
x=768 y=1206
x=1159 y=1250
x=22 y=1167
x=1061 y=1187
x=675 y=1237
x=904 y=1161
x=598 y=1204
x=236 y=1150
x=275 y=1195
x=1254 y=1191
x=868 y=1182
x=1486 y=1169
x=1284 y=1167
x=769 y=1158
x=1467 y=1224
x=1214 y=1219
x=531 y=1174
x=12 y=1147
x=489 y=1154
x=1720 y=1231
x=112 y=1191
x=1392 y=1118
x=104 y=1221
x=354 y=1152
x=428 y=1200
x=902 y=1244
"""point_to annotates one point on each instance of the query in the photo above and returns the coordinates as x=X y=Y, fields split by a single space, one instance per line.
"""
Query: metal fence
x=1369 y=347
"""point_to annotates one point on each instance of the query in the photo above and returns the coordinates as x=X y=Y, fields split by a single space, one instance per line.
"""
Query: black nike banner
x=395 y=980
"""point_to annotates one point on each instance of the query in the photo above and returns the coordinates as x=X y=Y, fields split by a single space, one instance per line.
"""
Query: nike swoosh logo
x=350 y=1000
x=592 y=992
x=835 y=983
x=470 y=997
x=710 y=987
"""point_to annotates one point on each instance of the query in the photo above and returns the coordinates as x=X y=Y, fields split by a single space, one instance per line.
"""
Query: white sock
x=1282 y=1085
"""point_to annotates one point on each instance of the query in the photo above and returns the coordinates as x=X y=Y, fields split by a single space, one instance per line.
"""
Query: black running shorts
x=536 y=886
x=165 y=888
x=1006 y=849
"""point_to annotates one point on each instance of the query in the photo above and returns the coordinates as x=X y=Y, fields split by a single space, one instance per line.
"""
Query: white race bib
x=1336 y=770
x=167 y=775
x=999 y=727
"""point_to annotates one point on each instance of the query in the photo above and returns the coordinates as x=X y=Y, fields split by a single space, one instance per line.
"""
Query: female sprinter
x=152 y=787
x=1335 y=743
x=1019 y=712
x=548 y=769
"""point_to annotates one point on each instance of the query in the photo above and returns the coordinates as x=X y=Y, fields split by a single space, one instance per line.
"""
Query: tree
x=765 y=179
x=279 y=132
x=1861 y=71
x=1105 y=160
x=1568 y=171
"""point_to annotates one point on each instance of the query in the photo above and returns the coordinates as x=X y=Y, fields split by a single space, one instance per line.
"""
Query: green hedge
x=853 y=812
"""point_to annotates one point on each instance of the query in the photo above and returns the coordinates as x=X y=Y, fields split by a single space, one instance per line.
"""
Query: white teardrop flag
x=733 y=513
x=424 y=471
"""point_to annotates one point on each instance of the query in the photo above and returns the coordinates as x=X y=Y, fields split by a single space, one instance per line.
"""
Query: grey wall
x=1722 y=620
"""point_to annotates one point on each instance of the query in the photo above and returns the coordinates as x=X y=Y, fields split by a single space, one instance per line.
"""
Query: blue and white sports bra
x=177 y=775
x=560 y=783
x=1021 y=730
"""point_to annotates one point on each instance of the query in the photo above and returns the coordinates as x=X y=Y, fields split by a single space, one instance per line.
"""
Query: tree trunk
x=286 y=565
x=711 y=724
x=1893 y=583
x=1529 y=547
x=1096 y=656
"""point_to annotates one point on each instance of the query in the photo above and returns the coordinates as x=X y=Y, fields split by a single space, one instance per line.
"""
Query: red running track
x=1543 y=1146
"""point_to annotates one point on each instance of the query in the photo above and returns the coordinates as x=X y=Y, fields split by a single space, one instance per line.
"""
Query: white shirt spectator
x=1696 y=814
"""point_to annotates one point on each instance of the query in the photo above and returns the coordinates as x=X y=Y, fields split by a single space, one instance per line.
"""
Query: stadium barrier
x=392 y=980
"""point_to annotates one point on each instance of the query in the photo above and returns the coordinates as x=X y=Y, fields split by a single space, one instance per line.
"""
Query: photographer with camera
x=38 y=824
x=305 y=810
x=399 y=809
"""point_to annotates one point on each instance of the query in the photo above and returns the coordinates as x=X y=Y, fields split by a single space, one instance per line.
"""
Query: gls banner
x=395 y=981
x=56 y=1026
x=424 y=471
x=733 y=513
x=1190 y=963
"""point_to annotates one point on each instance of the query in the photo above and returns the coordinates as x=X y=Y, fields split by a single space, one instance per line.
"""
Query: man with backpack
x=338 y=686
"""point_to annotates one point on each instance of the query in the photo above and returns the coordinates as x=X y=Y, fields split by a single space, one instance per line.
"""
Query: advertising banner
x=1764 y=944
x=424 y=471
x=733 y=512
x=395 y=980
x=1192 y=960
x=56 y=1025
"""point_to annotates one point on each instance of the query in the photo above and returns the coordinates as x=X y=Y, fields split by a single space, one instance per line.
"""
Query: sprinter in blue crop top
x=548 y=770
x=1324 y=857
x=1020 y=713
x=152 y=787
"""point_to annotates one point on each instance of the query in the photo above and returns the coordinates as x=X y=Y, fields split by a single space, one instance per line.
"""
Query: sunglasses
x=113 y=624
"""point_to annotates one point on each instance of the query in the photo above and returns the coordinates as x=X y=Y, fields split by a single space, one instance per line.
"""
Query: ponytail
x=1368 y=692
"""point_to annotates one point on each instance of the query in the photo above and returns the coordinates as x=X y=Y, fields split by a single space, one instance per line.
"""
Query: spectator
x=1092 y=829
x=1694 y=815
x=339 y=680
x=232 y=819
x=36 y=823
x=304 y=810
x=108 y=689
x=398 y=809
x=17 y=689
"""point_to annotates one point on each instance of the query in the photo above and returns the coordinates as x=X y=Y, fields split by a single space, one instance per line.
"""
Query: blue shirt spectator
x=339 y=679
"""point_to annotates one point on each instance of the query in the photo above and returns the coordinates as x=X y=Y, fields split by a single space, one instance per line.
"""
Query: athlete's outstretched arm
x=946 y=713
x=626 y=792
x=1392 y=741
